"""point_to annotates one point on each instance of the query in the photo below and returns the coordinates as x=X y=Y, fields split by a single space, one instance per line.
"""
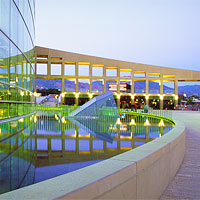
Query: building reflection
x=17 y=155
x=59 y=140
x=49 y=139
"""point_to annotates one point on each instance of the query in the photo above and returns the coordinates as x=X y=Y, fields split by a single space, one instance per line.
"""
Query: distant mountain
x=48 y=83
x=189 y=90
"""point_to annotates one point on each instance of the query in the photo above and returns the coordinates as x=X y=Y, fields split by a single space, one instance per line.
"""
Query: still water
x=49 y=144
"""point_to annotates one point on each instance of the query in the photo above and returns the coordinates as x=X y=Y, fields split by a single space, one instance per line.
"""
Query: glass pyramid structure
x=100 y=128
x=100 y=106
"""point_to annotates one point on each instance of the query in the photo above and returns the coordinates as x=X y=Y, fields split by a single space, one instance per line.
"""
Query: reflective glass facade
x=17 y=77
x=17 y=35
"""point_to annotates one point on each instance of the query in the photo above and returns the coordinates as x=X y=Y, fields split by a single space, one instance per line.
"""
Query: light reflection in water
x=49 y=144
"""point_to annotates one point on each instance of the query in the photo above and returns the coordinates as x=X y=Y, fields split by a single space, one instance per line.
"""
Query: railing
x=162 y=113
x=68 y=109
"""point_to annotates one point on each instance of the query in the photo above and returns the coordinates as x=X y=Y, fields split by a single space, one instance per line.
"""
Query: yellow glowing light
x=161 y=123
x=132 y=96
x=77 y=95
x=169 y=76
x=21 y=120
x=35 y=94
x=97 y=65
x=63 y=119
x=132 y=122
x=84 y=63
x=63 y=94
x=147 y=96
x=90 y=95
x=35 y=119
x=21 y=93
x=161 y=97
x=56 y=117
x=118 y=121
x=111 y=67
x=147 y=123
x=176 y=97
x=118 y=96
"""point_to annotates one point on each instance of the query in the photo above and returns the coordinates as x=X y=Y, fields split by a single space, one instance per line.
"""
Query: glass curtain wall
x=17 y=35
x=17 y=81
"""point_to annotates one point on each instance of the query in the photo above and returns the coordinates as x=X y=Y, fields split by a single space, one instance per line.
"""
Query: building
x=81 y=77
x=17 y=34
x=17 y=58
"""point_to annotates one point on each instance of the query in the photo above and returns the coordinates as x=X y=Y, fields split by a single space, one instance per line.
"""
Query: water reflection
x=48 y=144
x=17 y=154
x=77 y=139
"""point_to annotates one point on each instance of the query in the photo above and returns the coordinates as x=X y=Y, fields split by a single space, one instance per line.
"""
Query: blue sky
x=157 y=32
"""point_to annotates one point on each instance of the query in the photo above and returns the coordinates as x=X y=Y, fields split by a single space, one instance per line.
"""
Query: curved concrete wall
x=140 y=173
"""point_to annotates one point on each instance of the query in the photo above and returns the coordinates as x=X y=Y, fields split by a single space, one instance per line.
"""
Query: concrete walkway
x=186 y=183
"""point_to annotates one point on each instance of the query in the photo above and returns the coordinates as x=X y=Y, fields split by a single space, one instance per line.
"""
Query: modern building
x=81 y=77
x=17 y=32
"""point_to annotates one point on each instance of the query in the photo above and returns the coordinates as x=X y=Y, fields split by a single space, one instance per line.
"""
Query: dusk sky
x=157 y=32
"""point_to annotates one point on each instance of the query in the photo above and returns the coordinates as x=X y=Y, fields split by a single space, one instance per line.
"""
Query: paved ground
x=186 y=183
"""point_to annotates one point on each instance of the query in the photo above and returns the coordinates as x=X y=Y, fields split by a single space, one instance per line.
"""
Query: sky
x=156 y=32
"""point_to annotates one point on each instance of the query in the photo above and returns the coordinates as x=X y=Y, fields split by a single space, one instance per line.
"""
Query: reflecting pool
x=49 y=144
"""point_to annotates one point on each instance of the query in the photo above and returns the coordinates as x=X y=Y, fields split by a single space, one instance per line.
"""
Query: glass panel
x=4 y=55
x=111 y=86
x=83 y=85
x=111 y=72
x=42 y=68
x=139 y=86
x=83 y=70
x=19 y=68
x=168 y=87
x=125 y=86
x=97 y=71
x=55 y=69
x=48 y=84
x=24 y=68
x=139 y=75
x=5 y=15
x=69 y=70
x=56 y=144
x=154 y=75
x=97 y=86
x=125 y=73
x=70 y=85
x=189 y=88
x=154 y=87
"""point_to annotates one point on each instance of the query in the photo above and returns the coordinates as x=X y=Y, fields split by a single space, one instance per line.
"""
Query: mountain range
x=189 y=90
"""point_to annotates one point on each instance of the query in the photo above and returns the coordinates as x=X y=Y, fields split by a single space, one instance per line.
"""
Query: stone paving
x=186 y=183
